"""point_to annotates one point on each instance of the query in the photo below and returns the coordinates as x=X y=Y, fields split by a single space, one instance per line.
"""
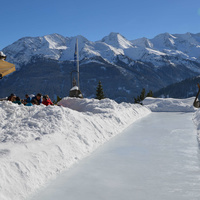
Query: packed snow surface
x=39 y=142
x=156 y=158
x=174 y=105
x=170 y=104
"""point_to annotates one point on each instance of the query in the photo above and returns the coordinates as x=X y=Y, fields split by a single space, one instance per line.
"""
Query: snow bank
x=196 y=121
x=169 y=104
x=38 y=142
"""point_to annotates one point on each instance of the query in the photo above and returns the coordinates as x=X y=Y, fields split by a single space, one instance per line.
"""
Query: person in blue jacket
x=28 y=99
x=33 y=102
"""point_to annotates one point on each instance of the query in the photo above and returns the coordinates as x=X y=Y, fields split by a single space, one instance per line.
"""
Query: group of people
x=28 y=101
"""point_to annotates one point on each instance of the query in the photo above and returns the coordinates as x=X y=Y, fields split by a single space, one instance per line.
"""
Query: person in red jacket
x=46 y=100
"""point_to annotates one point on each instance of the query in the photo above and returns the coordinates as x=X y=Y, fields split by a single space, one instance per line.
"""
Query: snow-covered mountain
x=150 y=63
x=57 y=47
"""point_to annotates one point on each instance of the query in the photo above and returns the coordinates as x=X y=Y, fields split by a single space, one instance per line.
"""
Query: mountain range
x=45 y=64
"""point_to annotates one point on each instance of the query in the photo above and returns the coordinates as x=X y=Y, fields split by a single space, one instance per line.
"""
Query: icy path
x=156 y=158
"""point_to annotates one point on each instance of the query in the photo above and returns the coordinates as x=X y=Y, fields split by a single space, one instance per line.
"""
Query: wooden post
x=196 y=103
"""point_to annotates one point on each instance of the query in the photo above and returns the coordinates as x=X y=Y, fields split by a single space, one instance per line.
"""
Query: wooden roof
x=6 y=68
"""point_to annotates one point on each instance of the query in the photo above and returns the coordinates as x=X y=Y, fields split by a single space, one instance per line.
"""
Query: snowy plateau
x=124 y=67
x=37 y=143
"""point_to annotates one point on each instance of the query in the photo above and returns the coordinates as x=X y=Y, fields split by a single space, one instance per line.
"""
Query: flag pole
x=77 y=63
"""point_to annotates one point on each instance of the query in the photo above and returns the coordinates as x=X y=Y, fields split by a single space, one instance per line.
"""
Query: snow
x=196 y=120
x=74 y=88
x=170 y=104
x=2 y=54
x=56 y=41
x=175 y=105
x=143 y=42
x=39 y=142
x=158 y=151
x=156 y=50
x=116 y=40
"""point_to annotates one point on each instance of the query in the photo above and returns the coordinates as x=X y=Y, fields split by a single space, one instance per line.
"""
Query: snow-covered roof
x=2 y=54
x=74 y=88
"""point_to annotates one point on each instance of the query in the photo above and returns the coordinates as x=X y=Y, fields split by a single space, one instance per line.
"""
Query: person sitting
x=46 y=100
x=38 y=98
x=12 y=97
x=33 y=102
x=27 y=100
x=17 y=100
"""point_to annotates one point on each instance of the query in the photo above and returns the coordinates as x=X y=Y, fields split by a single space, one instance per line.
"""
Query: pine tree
x=56 y=101
x=150 y=94
x=99 y=91
x=142 y=96
x=137 y=100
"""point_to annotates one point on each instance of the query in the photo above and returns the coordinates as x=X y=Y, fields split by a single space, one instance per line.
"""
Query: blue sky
x=96 y=19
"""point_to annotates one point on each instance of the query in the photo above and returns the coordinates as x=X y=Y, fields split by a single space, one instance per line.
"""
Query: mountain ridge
x=123 y=66
x=59 y=47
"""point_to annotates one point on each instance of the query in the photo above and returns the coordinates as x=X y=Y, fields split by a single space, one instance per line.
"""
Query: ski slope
x=157 y=158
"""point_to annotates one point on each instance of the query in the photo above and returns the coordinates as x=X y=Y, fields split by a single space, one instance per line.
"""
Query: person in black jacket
x=38 y=98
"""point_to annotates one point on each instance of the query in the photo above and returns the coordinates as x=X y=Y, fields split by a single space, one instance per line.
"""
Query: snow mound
x=169 y=104
x=93 y=105
x=39 y=142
